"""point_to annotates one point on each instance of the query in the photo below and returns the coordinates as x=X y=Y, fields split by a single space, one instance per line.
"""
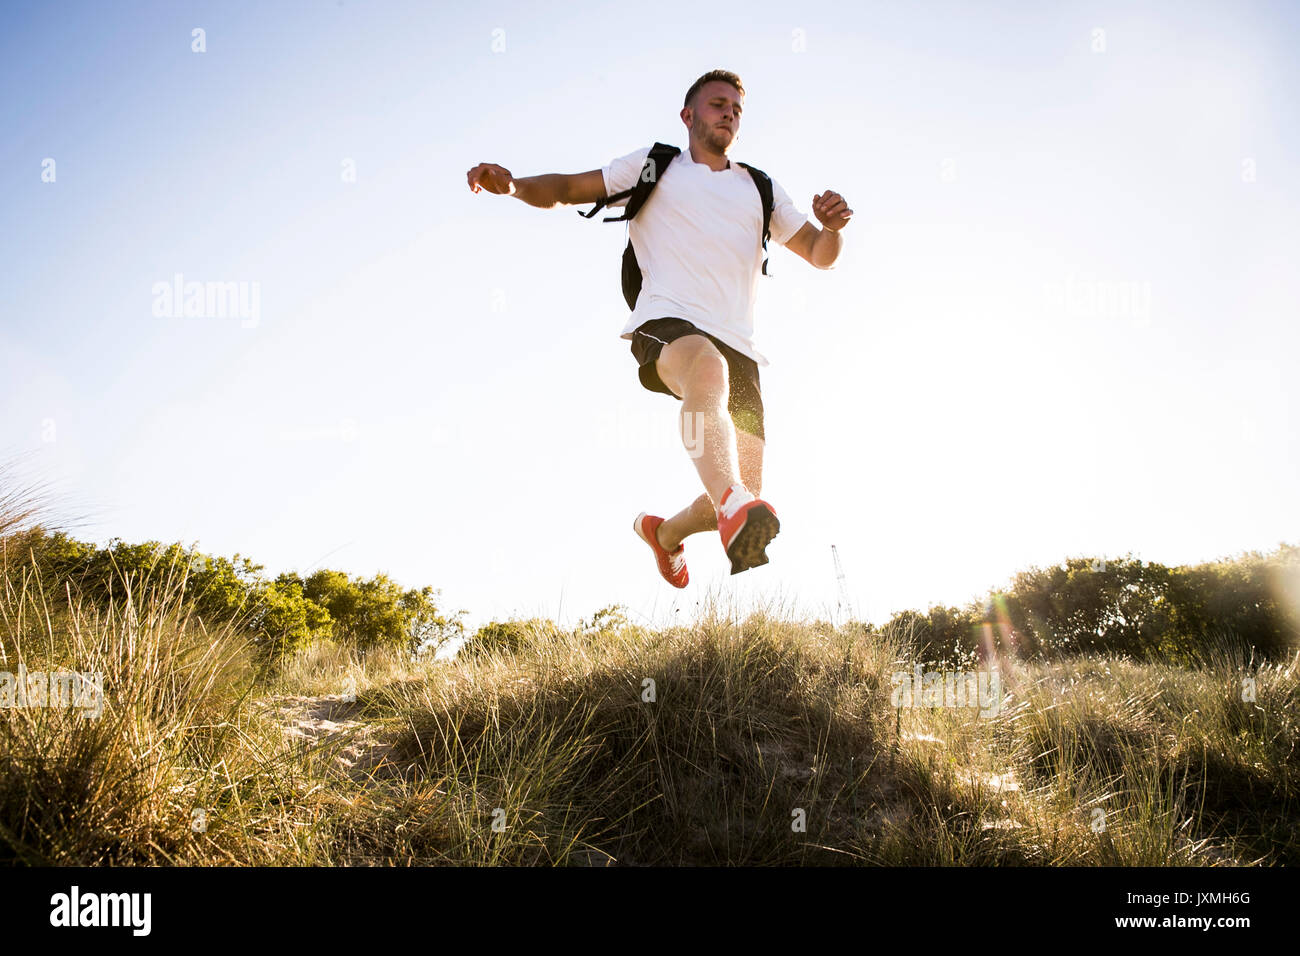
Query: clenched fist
x=831 y=210
x=493 y=178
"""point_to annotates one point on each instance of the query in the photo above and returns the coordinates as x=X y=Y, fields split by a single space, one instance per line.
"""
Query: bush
x=279 y=616
x=378 y=612
x=1141 y=610
x=509 y=637
x=944 y=634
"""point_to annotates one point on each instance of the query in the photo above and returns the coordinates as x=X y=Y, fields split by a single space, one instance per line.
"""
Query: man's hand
x=495 y=179
x=831 y=210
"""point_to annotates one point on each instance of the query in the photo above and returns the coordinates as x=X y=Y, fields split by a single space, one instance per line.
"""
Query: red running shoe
x=746 y=530
x=672 y=564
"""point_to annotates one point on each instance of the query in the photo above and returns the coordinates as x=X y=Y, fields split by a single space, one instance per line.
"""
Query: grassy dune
x=765 y=741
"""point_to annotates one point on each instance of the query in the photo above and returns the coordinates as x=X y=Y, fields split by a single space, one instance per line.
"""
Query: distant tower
x=842 y=590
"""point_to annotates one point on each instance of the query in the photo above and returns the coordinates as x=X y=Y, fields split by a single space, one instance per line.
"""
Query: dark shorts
x=744 y=403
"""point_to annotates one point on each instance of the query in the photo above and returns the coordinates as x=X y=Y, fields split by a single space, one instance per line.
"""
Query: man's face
x=714 y=117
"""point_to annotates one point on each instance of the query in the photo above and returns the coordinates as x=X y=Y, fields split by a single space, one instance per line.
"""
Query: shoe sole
x=749 y=548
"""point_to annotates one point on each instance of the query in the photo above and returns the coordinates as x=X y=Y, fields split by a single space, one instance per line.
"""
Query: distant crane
x=842 y=597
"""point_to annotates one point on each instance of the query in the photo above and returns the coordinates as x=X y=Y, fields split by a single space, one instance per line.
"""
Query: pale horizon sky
x=1063 y=324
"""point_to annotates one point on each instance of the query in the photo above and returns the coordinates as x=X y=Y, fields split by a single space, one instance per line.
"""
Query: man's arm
x=545 y=191
x=821 y=247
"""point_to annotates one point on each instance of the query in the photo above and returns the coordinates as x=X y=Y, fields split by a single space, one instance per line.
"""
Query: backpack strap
x=764 y=184
x=660 y=155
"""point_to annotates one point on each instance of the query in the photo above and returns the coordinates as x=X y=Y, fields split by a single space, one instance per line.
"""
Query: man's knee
x=692 y=364
x=706 y=379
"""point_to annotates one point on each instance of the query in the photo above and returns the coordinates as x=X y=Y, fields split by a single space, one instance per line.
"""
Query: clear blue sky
x=1064 y=321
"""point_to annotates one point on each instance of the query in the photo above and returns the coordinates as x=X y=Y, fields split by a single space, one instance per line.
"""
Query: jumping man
x=698 y=241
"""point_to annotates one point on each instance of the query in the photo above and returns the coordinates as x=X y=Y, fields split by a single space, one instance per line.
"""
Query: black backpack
x=660 y=156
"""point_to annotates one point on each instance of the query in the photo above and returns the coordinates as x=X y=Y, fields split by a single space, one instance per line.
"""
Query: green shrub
x=509 y=637
x=279 y=616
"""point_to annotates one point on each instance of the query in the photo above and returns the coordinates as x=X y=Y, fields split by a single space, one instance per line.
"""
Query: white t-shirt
x=699 y=242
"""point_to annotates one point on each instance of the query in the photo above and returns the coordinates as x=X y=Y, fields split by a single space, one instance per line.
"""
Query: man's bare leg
x=697 y=373
x=700 y=515
x=696 y=517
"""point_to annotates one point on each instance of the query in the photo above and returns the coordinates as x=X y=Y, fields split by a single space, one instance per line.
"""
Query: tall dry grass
x=763 y=741
x=177 y=768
